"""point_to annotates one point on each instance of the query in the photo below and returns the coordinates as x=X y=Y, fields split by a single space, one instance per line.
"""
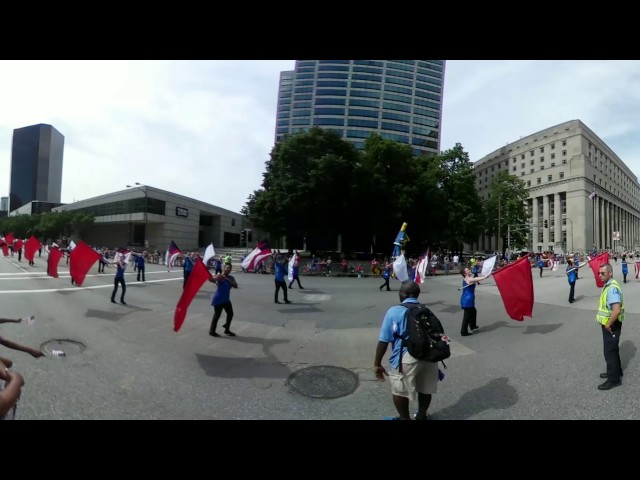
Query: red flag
x=81 y=259
x=8 y=238
x=516 y=288
x=33 y=245
x=595 y=263
x=199 y=274
x=5 y=248
x=18 y=245
x=52 y=263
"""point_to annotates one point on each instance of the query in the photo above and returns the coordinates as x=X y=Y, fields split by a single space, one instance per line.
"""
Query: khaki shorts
x=417 y=376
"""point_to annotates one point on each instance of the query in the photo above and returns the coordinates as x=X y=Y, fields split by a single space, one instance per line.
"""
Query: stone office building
x=562 y=166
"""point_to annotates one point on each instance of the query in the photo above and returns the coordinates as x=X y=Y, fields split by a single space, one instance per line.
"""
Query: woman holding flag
x=468 y=301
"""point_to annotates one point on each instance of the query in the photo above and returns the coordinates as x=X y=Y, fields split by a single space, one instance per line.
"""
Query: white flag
x=72 y=245
x=487 y=266
x=291 y=264
x=421 y=270
x=209 y=253
x=400 y=268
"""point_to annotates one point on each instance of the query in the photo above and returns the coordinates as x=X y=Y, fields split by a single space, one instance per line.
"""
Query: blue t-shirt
x=139 y=261
x=120 y=271
x=573 y=274
x=625 y=269
x=223 y=293
x=468 y=298
x=280 y=271
x=394 y=329
x=188 y=264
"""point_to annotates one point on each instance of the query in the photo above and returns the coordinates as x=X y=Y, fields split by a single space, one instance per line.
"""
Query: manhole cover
x=324 y=382
x=69 y=347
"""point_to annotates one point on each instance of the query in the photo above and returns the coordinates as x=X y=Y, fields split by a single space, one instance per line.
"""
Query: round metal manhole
x=66 y=346
x=324 y=382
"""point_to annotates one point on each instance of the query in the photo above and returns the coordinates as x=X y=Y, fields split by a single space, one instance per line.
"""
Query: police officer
x=610 y=316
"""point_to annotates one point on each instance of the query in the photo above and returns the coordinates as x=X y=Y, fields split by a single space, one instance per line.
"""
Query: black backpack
x=425 y=335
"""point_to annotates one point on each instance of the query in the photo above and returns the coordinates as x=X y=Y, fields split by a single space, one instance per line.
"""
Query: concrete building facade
x=563 y=166
x=150 y=218
x=399 y=99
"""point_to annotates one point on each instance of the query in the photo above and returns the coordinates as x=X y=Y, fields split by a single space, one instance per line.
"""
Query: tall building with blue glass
x=399 y=99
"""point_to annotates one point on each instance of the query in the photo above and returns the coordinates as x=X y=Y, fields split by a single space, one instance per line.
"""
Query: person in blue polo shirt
x=222 y=300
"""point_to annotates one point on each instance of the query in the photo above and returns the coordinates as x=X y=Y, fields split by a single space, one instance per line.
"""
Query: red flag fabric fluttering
x=30 y=249
x=5 y=248
x=9 y=238
x=52 y=263
x=516 y=288
x=199 y=274
x=81 y=259
x=595 y=263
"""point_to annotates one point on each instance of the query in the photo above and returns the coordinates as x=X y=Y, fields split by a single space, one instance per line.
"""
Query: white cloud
x=198 y=128
x=488 y=104
x=205 y=129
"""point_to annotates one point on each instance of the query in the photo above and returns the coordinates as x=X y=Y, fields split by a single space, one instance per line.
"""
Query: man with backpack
x=409 y=375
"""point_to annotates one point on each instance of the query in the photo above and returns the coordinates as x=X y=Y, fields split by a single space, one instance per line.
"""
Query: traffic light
x=243 y=237
x=546 y=224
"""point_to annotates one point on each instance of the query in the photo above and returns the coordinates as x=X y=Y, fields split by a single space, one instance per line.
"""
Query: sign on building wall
x=616 y=236
x=182 y=212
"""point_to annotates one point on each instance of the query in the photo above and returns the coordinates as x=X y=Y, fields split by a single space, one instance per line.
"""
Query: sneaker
x=122 y=302
x=608 y=385
x=229 y=333
x=276 y=301
x=113 y=301
x=475 y=328
x=214 y=334
x=288 y=301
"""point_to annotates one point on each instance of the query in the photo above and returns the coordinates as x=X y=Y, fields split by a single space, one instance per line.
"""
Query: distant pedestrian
x=280 y=271
x=295 y=274
x=540 y=266
x=187 y=267
x=625 y=270
x=222 y=301
x=140 y=266
x=572 y=277
x=386 y=274
x=121 y=266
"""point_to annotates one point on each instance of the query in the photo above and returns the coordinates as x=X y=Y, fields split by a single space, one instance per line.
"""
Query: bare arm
x=9 y=396
x=10 y=320
x=378 y=369
x=16 y=346
x=233 y=282
x=472 y=280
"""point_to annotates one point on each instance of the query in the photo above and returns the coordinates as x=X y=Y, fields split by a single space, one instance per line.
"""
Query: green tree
x=505 y=210
x=50 y=225
x=462 y=216
x=306 y=188
x=384 y=193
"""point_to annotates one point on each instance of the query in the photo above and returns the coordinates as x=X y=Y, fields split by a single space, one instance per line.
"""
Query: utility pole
x=509 y=238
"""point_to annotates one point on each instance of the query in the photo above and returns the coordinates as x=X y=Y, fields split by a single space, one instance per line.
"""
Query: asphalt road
x=135 y=366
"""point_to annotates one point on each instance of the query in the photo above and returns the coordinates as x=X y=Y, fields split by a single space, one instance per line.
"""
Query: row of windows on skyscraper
x=399 y=99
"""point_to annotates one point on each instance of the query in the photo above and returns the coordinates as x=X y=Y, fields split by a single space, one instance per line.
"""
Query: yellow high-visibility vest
x=602 y=317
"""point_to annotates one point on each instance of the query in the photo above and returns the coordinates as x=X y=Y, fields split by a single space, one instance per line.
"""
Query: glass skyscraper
x=399 y=99
x=36 y=165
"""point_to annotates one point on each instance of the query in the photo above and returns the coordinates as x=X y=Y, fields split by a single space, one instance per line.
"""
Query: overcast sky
x=204 y=129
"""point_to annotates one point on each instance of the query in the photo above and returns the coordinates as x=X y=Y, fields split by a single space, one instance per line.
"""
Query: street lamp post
x=144 y=190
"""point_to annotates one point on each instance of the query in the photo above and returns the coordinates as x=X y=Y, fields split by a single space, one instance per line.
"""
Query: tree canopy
x=318 y=185
x=50 y=225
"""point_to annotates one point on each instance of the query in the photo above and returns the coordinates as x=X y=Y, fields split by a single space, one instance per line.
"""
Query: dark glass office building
x=36 y=165
x=399 y=99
